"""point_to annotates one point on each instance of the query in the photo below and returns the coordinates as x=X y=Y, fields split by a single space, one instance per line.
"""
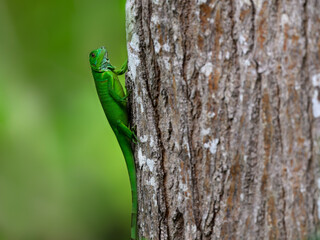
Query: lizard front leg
x=123 y=69
x=122 y=101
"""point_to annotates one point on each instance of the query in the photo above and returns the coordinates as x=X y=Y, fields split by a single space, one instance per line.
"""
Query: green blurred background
x=62 y=175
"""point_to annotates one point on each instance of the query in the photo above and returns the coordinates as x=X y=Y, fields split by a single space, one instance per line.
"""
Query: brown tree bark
x=226 y=103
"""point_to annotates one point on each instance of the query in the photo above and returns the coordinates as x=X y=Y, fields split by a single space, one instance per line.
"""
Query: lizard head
x=99 y=60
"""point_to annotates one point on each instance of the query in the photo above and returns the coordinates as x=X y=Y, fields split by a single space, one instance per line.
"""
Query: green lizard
x=114 y=104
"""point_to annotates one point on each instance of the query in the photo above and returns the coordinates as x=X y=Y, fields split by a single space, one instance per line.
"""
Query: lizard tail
x=134 y=216
x=125 y=145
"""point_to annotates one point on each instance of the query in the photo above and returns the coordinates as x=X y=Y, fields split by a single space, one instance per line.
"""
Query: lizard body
x=114 y=104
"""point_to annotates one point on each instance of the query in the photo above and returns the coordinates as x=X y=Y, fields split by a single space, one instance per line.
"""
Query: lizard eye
x=93 y=55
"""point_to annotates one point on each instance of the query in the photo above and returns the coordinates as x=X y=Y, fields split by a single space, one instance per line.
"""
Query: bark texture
x=226 y=103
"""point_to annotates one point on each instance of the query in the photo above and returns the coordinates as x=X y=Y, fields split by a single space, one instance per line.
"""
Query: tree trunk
x=226 y=104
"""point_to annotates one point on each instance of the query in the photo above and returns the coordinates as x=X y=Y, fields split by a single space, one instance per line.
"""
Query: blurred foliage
x=62 y=174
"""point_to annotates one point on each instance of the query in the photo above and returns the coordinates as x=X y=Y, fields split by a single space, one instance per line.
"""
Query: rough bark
x=226 y=103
